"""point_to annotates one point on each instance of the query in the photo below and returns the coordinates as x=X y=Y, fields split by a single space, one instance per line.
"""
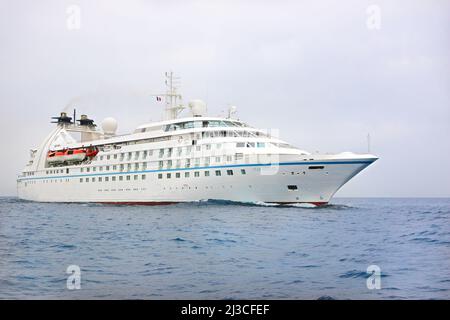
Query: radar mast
x=173 y=107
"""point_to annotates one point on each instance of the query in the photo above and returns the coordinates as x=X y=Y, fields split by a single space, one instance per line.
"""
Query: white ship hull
x=313 y=186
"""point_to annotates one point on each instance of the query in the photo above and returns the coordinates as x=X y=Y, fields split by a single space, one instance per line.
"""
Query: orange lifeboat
x=71 y=155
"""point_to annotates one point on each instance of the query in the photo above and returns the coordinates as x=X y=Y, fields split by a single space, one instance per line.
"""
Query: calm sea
x=221 y=250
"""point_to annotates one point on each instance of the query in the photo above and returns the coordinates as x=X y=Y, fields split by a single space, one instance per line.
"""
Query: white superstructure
x=178 y=160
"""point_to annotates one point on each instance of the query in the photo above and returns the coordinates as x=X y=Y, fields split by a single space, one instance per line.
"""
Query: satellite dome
x=198 y=108
x=109 y=126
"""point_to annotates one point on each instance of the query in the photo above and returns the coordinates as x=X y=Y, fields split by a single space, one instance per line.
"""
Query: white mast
x=171 y=97
x=173 y=108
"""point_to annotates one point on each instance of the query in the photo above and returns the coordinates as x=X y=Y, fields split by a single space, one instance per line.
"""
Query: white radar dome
x=109 y=125
x=198 y=108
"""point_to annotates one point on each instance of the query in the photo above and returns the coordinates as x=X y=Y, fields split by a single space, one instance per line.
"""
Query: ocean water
x=222 y=250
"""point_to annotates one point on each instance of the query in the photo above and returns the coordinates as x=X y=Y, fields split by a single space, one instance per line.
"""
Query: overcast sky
x=325 y=73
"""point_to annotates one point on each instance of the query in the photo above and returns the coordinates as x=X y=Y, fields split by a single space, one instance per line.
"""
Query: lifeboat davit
x=71 y=155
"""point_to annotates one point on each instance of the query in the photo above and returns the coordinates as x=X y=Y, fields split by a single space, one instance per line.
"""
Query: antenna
x=368 y=143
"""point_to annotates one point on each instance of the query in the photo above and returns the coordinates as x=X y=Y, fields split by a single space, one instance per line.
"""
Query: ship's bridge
x=189 y=123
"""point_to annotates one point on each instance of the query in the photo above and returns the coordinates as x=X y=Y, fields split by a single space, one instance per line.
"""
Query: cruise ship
x=179 y=159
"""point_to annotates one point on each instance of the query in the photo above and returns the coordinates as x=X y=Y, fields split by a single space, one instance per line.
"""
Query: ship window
x=230 y=172
x=250 y=144
x=196 y=174
x=113 y=178
x=94 y=169
x=260 y=144
x=315 y=167
x=108 y=157
x=186 y=174
x=292 y=187
x=144 y=154
x=218 y=173
x=217 y=159
x=159 y=175
x=129 y=166
x=136 y=154
x=67 y=171
x=87 y=169
x=115 y=156
x=239 y=156
x=128 y=178
x=188 y=163
x=161 y=153
x=135 y=177
x=100 y=179
x=168 y=176
x=229 y=158
x=120 y=178
x=136 y=166
x=198 y=148
x=177 y=175
x=107 y=168
x=87 y=179
x=143 y=177
x=243 y=171
x=81 y=179
x=206 y=173
x=81 y=169
x=100 y=168
x=240 y=145
x=150 y=152
x=106 y=179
